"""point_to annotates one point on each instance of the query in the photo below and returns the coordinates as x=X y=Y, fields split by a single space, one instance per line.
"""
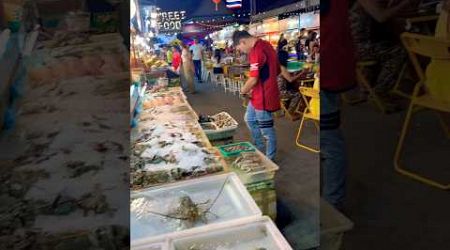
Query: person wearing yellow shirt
x=169 y=56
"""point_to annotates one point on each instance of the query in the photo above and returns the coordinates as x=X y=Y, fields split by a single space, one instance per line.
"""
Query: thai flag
x=234 y=4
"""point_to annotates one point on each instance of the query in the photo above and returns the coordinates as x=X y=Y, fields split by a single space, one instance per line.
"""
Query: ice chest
x=258 y=234
x=233 y=203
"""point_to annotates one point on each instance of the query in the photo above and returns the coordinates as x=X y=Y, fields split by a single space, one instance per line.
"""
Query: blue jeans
x=332 y=150
x=261 y=127
x=198 y=69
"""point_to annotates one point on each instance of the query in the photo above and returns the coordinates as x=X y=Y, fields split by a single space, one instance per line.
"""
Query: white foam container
x=260 y=233
x=234 y=204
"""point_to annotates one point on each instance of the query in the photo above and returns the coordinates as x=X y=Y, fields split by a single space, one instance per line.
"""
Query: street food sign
x=170 y=21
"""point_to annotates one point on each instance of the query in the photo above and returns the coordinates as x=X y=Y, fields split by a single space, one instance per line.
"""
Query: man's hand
x=251 y=82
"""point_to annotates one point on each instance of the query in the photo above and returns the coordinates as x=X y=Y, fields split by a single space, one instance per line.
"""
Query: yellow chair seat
x=366 y=63
x=430 y=102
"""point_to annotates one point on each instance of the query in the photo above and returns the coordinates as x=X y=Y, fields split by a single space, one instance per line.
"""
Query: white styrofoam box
x=233 y=203
x=258 y=234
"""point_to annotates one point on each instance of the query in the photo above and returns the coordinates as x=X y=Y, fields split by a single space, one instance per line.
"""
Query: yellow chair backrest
x=226 y=70
x=313 y=105
x=441 y=26
x=436 y=76
x=428 y=46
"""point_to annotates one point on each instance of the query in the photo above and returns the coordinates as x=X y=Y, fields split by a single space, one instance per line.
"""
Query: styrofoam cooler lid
x=234 y=203
x=259 y=233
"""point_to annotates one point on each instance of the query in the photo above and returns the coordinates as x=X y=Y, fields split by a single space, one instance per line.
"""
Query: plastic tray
x=235 y=203
x=234 y=153
x=267 y=173
x=222 y=133
x=261 y=233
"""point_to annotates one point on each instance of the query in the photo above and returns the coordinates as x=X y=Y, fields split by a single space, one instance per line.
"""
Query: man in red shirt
x=174 y=71
x=176 y=58
x=262 y=84
x=337 y=69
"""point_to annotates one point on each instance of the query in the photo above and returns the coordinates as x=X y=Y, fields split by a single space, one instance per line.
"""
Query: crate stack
x=259 y=183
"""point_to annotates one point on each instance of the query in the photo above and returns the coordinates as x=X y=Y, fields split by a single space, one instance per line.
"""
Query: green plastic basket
x=226 y=153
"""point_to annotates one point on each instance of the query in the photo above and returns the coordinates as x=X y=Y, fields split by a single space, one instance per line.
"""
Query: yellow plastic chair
x=305 y=83
x=414 y=20
x=311 y=113
x=425 y=94
x=365 y=84
x=208 y=72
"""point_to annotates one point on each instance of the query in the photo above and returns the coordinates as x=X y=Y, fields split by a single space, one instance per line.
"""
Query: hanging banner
x=234 y=4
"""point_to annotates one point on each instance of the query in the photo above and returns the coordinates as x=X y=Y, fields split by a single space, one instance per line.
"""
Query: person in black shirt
x=285 y=79
x=310 y=41
x=375 y=41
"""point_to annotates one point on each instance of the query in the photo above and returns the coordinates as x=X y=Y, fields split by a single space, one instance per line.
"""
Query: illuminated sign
x=171 y=21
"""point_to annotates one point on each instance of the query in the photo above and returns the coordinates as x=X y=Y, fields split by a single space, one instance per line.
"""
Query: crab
x=94 y=201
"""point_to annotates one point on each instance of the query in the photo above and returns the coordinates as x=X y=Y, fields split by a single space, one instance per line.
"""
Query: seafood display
x=236 y=148
x=189 y=204
x=153 y=62
x=64 y=38
x=248 y=162
x=170 y=145
x=64 y=171
x=218 y=121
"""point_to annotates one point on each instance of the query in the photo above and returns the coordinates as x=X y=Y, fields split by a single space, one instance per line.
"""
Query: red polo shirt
x=176 y=60
x=265 y=66
x=337 y=60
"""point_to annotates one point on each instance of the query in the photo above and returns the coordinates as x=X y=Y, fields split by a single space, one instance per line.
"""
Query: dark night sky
x=206 y=7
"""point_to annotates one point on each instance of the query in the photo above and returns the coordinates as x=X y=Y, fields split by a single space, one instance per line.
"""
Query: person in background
x=337 y=75
x=281 y=38
x=310 y=41
x=176 y=58
x=217 y=62
x=315 y=54
x=286 y=80
x=300 y=45
x=169 y=55
x=174 y=70
x=197 y=56
x=374 y=40
x=262 y=84
x=187 y=68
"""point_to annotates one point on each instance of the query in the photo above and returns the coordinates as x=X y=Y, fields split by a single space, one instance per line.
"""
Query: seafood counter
x=168 y=144
x=72 y=174
x=181 y=185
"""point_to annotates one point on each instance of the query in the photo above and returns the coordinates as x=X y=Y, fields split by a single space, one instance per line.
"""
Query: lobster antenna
x=218 y=195
x=167 y=216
